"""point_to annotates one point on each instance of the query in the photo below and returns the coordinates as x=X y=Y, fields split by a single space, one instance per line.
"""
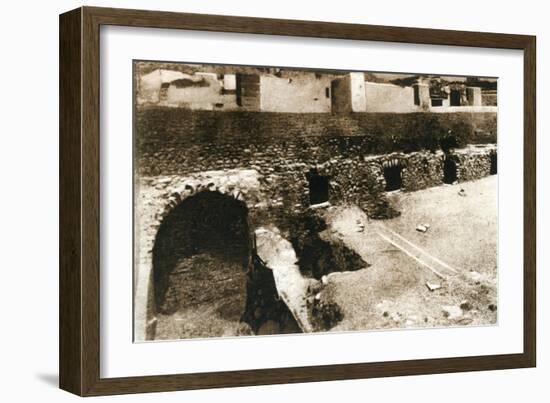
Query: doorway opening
x=449 y=171
x=392 y=175
x=318 y=187
x=200 y=257
x=455 y=98
x=493 y=169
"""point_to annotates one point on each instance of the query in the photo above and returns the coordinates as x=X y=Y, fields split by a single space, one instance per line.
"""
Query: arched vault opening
x=200 y=256
x=392 y=175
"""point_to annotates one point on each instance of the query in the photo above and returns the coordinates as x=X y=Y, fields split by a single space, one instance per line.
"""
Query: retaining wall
x=264 y=160
x=178 y=141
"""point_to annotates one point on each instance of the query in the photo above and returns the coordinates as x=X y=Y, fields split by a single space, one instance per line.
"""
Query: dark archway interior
x=392 y=175
x=318 y=187
x=455 y=98
x=449 y=171
x=493 y=169
x=201 y=242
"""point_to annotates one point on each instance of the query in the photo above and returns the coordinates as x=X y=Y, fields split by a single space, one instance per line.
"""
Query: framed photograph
x=250 y=201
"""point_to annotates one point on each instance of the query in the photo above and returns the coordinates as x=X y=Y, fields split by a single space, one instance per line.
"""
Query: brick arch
x=167 y=194
x=174 y=198
x=392 y=172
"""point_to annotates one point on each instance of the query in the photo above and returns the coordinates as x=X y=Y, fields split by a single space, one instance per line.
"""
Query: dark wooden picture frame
x=79 y=346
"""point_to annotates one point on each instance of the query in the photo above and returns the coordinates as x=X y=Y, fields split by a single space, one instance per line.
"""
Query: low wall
x=475 y=162
x=424 y=169
x=465 y=109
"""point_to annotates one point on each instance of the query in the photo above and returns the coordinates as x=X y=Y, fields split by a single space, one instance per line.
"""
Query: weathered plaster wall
x=297 y=93
x=207 y=93
x=341 y=95
x=422 y=96
x=358 y=95
x=199 y=91
x=474 y=96
x=149 y=84
x=389 y=98
x=348 y=93
x=248 y=91
x=472 y=104
x=306 y=92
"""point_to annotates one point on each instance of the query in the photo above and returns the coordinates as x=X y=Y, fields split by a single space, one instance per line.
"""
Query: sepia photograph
x=280 y=200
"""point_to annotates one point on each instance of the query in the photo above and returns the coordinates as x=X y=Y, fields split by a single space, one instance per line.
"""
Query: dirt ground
x=208 y=294
x=393 y=292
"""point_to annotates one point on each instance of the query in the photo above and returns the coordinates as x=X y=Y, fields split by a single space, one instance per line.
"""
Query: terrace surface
x=458 y=253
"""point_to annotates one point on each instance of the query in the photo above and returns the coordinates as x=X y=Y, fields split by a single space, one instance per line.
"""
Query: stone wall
x=177 y=141
x=284 y=148
x=424 y=169
x=475 y=162
x=265 y=161
x=155 y=198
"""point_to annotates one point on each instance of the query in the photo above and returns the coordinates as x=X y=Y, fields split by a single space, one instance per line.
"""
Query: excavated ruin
x=214 y=275
x=284 y=286
x=319 y=253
